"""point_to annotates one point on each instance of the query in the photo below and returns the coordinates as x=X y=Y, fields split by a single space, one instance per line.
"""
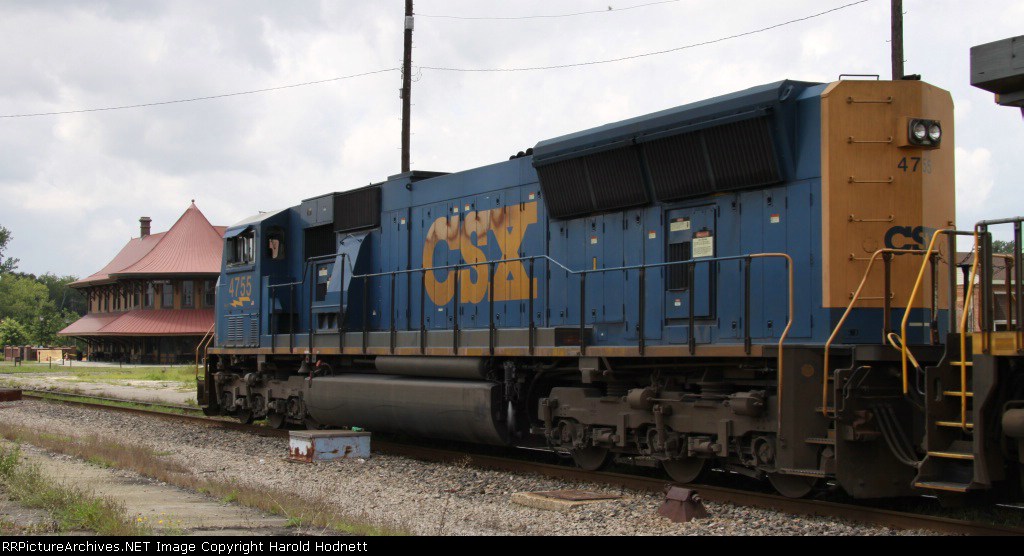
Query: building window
x=106 y=302
x=135 y=300
x=168 y=296
x=188 y=298
x=150 y=295
x=210 y=293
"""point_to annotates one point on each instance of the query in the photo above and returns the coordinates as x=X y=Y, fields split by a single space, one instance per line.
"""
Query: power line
x=443 y=68
x=225 y=95
x=646 y=54
x=552 y=16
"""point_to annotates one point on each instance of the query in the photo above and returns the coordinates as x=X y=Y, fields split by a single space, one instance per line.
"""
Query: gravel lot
x=424 y=498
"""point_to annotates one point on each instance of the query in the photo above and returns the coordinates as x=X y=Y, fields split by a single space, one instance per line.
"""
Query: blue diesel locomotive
x=759 y=282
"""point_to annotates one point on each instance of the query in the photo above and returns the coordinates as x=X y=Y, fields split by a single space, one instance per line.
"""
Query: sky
x=73 y=186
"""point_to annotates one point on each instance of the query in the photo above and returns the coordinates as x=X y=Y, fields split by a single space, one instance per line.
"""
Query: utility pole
x=897 y=39
x=406 y=85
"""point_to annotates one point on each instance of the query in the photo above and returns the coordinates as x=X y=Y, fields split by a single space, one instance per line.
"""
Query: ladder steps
x=953 y=424
x=818 y=440
x=952 y=455
x=942 y=485
x=956 y=393
x=962 y=363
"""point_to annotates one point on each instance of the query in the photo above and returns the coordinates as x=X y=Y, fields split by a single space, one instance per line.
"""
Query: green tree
x=13 y=333
x=1000 y=246
x=45 y=328
x=62 y=295
x=22 y=298
x=8 y=264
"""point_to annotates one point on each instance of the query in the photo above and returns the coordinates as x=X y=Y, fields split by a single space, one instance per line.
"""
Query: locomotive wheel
x=792 y=486
x=685 y=470
x=592 y=458
x=277 y=421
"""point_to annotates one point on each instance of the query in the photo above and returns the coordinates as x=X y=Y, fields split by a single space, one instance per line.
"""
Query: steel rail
x=851 y=512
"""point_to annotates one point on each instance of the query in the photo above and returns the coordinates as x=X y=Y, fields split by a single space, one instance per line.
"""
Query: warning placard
x=679 y=225
x=703 y=247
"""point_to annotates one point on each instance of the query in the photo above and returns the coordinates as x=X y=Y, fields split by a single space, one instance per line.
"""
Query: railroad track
x=851 y=512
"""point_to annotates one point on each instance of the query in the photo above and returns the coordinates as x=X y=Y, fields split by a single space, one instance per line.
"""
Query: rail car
x=759 y=282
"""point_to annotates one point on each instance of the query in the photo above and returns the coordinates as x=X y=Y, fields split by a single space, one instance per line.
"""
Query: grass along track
x=851 y=512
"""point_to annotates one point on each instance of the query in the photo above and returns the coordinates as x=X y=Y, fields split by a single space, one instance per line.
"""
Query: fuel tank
x=464 y=410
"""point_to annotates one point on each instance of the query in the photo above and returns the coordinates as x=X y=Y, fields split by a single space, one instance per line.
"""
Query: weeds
x=71 y=508
x=298 y=511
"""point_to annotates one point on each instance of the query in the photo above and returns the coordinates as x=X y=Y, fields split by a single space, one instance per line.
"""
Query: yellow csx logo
x=466 y=234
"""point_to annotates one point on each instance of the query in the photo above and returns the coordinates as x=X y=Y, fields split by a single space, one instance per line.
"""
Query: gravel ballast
x=419 y=497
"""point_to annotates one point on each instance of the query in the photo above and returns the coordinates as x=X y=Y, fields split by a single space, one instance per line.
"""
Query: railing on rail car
x=203 y=344
x=531 y=261
x=887 y=297
x=982 y=251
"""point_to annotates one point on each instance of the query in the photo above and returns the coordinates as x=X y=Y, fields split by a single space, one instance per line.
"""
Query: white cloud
x=974 y=180
x=73 y=186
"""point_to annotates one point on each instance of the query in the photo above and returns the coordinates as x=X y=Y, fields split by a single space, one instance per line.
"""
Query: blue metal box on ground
x=310 y=446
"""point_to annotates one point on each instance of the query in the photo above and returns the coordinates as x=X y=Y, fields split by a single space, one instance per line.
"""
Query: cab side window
x=275 y=244
x=240 y=248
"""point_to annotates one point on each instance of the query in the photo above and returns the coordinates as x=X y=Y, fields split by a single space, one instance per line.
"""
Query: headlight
x=925 y=133
x=919 y=131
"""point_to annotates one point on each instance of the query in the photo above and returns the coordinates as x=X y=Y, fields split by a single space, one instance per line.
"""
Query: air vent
x=357 y=209
x=742 y=155
x=605 y=181
x=318 y=241
x=736 y=155
x=679 y=274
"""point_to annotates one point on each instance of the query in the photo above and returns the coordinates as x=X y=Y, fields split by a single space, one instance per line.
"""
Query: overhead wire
x=210 y=97
x=644 y=54
x=448 y=68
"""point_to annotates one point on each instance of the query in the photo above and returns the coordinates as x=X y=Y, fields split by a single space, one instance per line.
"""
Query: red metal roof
x=90 y=324
x=130 y=254
x=191 y=246
x=144 y=322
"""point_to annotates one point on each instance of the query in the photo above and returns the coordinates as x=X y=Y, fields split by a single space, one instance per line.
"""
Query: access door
x=690 y=237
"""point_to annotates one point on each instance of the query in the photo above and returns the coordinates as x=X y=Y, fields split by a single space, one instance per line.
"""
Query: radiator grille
x=726 y=157
x=733 y=156
x=604 y=181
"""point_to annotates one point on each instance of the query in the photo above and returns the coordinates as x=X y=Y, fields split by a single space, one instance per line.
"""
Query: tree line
x=34 y=308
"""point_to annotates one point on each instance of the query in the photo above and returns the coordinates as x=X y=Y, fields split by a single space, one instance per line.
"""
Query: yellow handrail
x=203 y=344
x=963 y=321
x=910 y=302
x=963 y=335
x=842 y=320
x=785 y=331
